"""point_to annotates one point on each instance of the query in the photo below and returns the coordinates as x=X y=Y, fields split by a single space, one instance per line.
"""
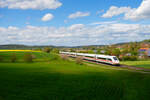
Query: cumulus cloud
x=114 y=11
x=77 y=34
x=102 y=23
x=78 y=15
x=47 y=17
x=30 y=4
x=76 y=27
x=142 y=12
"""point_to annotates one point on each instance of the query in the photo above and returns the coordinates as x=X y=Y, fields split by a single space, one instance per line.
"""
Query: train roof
x=97 y=55
x=105 y=56
x=92 y=55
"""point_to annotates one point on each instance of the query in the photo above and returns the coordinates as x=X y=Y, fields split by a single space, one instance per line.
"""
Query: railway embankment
x=117 y=67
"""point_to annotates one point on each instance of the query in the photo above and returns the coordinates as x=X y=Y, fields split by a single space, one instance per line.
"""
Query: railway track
x=125 y=66
x=134 y=67
x=121 y=65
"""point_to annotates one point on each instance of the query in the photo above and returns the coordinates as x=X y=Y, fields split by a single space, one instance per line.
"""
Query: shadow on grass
x=55 y=86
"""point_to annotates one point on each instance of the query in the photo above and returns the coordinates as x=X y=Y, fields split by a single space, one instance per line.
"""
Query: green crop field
x=49 y=77
x=144 y=64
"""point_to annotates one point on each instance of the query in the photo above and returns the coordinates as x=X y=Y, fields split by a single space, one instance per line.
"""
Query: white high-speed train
x=113 y=60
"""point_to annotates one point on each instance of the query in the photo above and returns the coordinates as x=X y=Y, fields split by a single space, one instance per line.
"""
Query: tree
x=99 y=51
x=124 y=51
x=47 y=50
x=72 y=50
x=90 y=51
x=130 y=58
x=107 y=51
x=116 y=52
x=55 y=50
x=135 y=53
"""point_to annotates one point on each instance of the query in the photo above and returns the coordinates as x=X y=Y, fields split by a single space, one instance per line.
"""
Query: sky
x=73 y=22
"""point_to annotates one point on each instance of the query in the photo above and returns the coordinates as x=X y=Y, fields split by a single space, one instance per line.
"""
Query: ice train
x=113 y=60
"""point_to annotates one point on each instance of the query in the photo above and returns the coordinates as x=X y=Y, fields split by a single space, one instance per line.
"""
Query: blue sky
x=73 y=22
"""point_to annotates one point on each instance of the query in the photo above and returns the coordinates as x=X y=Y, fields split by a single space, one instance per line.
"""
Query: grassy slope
x=64 y=80
x=145 y=64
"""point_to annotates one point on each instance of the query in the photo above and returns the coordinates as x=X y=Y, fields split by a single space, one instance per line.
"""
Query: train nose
x=117 y=62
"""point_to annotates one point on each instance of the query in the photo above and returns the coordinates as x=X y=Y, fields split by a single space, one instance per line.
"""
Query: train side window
x=89 y=56
x=109 y=59
x=102 y=58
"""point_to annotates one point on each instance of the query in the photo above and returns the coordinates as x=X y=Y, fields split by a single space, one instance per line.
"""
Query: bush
x=79 y=60
x=130 y=58
x=47 y=50
x=13 y=58
x=64 y=57
x=54 y=57
x=28 y=57
x=55 y=50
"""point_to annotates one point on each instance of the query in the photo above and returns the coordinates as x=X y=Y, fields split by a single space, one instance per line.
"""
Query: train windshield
x=115 y=58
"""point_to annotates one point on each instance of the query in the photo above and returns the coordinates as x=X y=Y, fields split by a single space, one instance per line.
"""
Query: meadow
x=49 y=77
x=144 y=64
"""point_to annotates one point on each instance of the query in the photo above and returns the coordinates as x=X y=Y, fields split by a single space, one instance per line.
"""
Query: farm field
x=51 y=78
x=144 y=64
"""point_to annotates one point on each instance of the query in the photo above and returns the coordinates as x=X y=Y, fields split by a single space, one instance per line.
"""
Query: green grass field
x=50 y=78
x=144 y=64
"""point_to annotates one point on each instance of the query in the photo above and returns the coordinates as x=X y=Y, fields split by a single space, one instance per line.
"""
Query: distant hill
x=17 y=46
x=122 y=43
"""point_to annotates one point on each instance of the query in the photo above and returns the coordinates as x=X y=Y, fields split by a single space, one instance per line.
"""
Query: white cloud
x=114 y=11
x=102 y=23
x=12 y=28
x=78 y=15
x=77 y=34
x=47 y=17
x=142 y=12
x=76 y=27
x=30 y=4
